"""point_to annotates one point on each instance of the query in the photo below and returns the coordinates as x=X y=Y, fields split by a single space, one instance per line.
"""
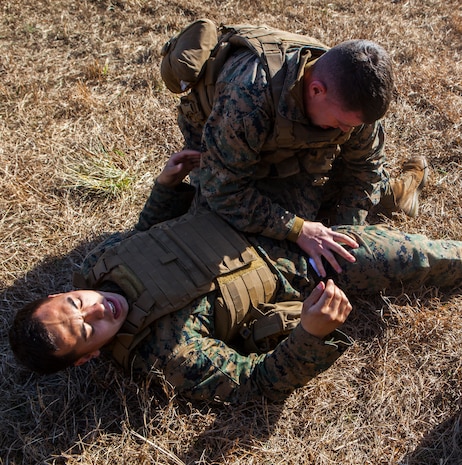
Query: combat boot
x=403 y=193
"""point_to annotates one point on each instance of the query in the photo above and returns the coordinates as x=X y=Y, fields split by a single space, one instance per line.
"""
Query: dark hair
x=33 y=344
x=360 y=75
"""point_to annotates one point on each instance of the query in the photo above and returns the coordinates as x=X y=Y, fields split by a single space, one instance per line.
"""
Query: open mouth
x=112 y=308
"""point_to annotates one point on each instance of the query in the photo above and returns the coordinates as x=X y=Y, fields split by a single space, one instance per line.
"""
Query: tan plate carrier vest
x=165 y=268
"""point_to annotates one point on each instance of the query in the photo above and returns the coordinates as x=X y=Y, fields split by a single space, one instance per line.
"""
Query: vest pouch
x=165 y=268
x=240 y=291
x=285 y=168
x=320 y=161
x=185 y=54
x=269 y=324
x=192 y=108
x=279 y=170
x=225 y=321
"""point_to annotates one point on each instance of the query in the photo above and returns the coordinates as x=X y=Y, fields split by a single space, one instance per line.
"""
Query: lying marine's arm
x=170 y=197
x=165 y=203
x=199 y=366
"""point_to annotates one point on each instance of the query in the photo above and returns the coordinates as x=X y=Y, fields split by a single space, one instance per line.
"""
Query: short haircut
x=359 y=73
x=33 y=344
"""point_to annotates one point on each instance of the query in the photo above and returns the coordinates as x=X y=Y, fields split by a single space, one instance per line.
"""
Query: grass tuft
x=101 y=172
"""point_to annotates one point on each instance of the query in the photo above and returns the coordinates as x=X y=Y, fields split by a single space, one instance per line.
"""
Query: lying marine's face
x=83 y=321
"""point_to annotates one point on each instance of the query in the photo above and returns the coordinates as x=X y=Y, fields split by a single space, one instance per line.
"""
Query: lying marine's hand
x=319 y=241
x=178 y=167
x=325 y=309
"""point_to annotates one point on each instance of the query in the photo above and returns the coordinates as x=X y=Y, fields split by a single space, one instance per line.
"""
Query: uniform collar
x=291 y=104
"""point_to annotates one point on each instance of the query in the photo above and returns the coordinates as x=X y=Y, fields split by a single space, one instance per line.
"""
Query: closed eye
x=85 y=333
x=84 y=328
x=72 y=303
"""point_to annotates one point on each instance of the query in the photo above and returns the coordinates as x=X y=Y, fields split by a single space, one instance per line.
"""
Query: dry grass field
x=85 y=125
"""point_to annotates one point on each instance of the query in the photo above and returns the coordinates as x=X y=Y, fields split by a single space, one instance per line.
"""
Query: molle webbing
x=165 y=268
x=240 y=291
x=269 y=44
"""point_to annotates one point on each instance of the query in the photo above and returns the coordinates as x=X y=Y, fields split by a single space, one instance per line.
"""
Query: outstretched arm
x=170 y=196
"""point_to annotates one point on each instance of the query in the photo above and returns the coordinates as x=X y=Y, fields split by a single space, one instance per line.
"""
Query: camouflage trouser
x=396 y=261
x=387 y=260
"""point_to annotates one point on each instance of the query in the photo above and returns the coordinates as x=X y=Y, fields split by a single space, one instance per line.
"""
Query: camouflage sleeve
x=362 y=174
x=201 y=367
x=240 y=121
x=165 y=203
x=191 y=130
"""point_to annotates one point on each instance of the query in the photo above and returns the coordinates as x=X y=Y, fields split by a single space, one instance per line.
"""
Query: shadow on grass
x=50 y=419
x=441 y=446
x=237 y=428
x=68 y=414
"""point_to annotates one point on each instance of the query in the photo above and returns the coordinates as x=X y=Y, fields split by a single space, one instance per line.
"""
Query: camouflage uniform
x=165 y=203
x=183 y=348
x=258 y=184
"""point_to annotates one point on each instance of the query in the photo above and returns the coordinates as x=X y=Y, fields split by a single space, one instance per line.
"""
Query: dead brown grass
x=81 y=95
